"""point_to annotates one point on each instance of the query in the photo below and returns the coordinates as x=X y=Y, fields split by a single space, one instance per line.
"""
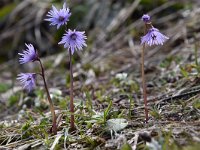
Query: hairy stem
x=72 y=125
x=54 y=126
x=144 y=84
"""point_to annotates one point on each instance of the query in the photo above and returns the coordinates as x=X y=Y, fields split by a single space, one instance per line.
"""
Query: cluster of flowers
x=75 y=40
x=153 y=36
x=72 y=40
x=28 y=55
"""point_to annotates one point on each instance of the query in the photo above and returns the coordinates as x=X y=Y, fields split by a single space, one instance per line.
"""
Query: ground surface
x=109 y=105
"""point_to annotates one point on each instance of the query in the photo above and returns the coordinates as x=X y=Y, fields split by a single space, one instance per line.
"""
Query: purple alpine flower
x=154 y=37
x=73 y=40
x=58 y=17
x=27 y=80
x=146 y=18
x=30 y=54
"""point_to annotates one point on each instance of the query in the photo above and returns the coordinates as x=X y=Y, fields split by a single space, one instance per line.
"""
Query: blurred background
x=22 y=21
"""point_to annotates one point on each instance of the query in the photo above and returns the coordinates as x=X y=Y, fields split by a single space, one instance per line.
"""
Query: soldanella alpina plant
x=28 y=79
x=72 y=40
x=60 y=17
x=152 y=36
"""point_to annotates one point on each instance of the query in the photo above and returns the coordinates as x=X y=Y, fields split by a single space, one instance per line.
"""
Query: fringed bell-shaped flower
x=74 y=40
x=58 y=17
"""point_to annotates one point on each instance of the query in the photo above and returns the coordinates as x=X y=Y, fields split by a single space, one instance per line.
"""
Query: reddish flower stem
x=72 y=125
x=54 y=126
x=147 y=25
x=144 y=84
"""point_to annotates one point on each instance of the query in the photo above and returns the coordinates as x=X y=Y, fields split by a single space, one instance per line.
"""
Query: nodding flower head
x=146 y=18
x=28 y=55
x=74 y=40
x=27 y=80
x=58 y=17
x=154 y=37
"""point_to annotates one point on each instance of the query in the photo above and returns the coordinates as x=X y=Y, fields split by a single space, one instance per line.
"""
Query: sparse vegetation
x=108 y=104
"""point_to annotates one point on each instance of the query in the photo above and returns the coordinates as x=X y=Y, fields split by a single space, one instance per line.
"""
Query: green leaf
x=4 y=87
x=26 y=130
x=184 y=72
x=196 y=104
x=126 y=146
x=13 y=99
x=155 y=113
x=6 y=10
x=107 y=111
